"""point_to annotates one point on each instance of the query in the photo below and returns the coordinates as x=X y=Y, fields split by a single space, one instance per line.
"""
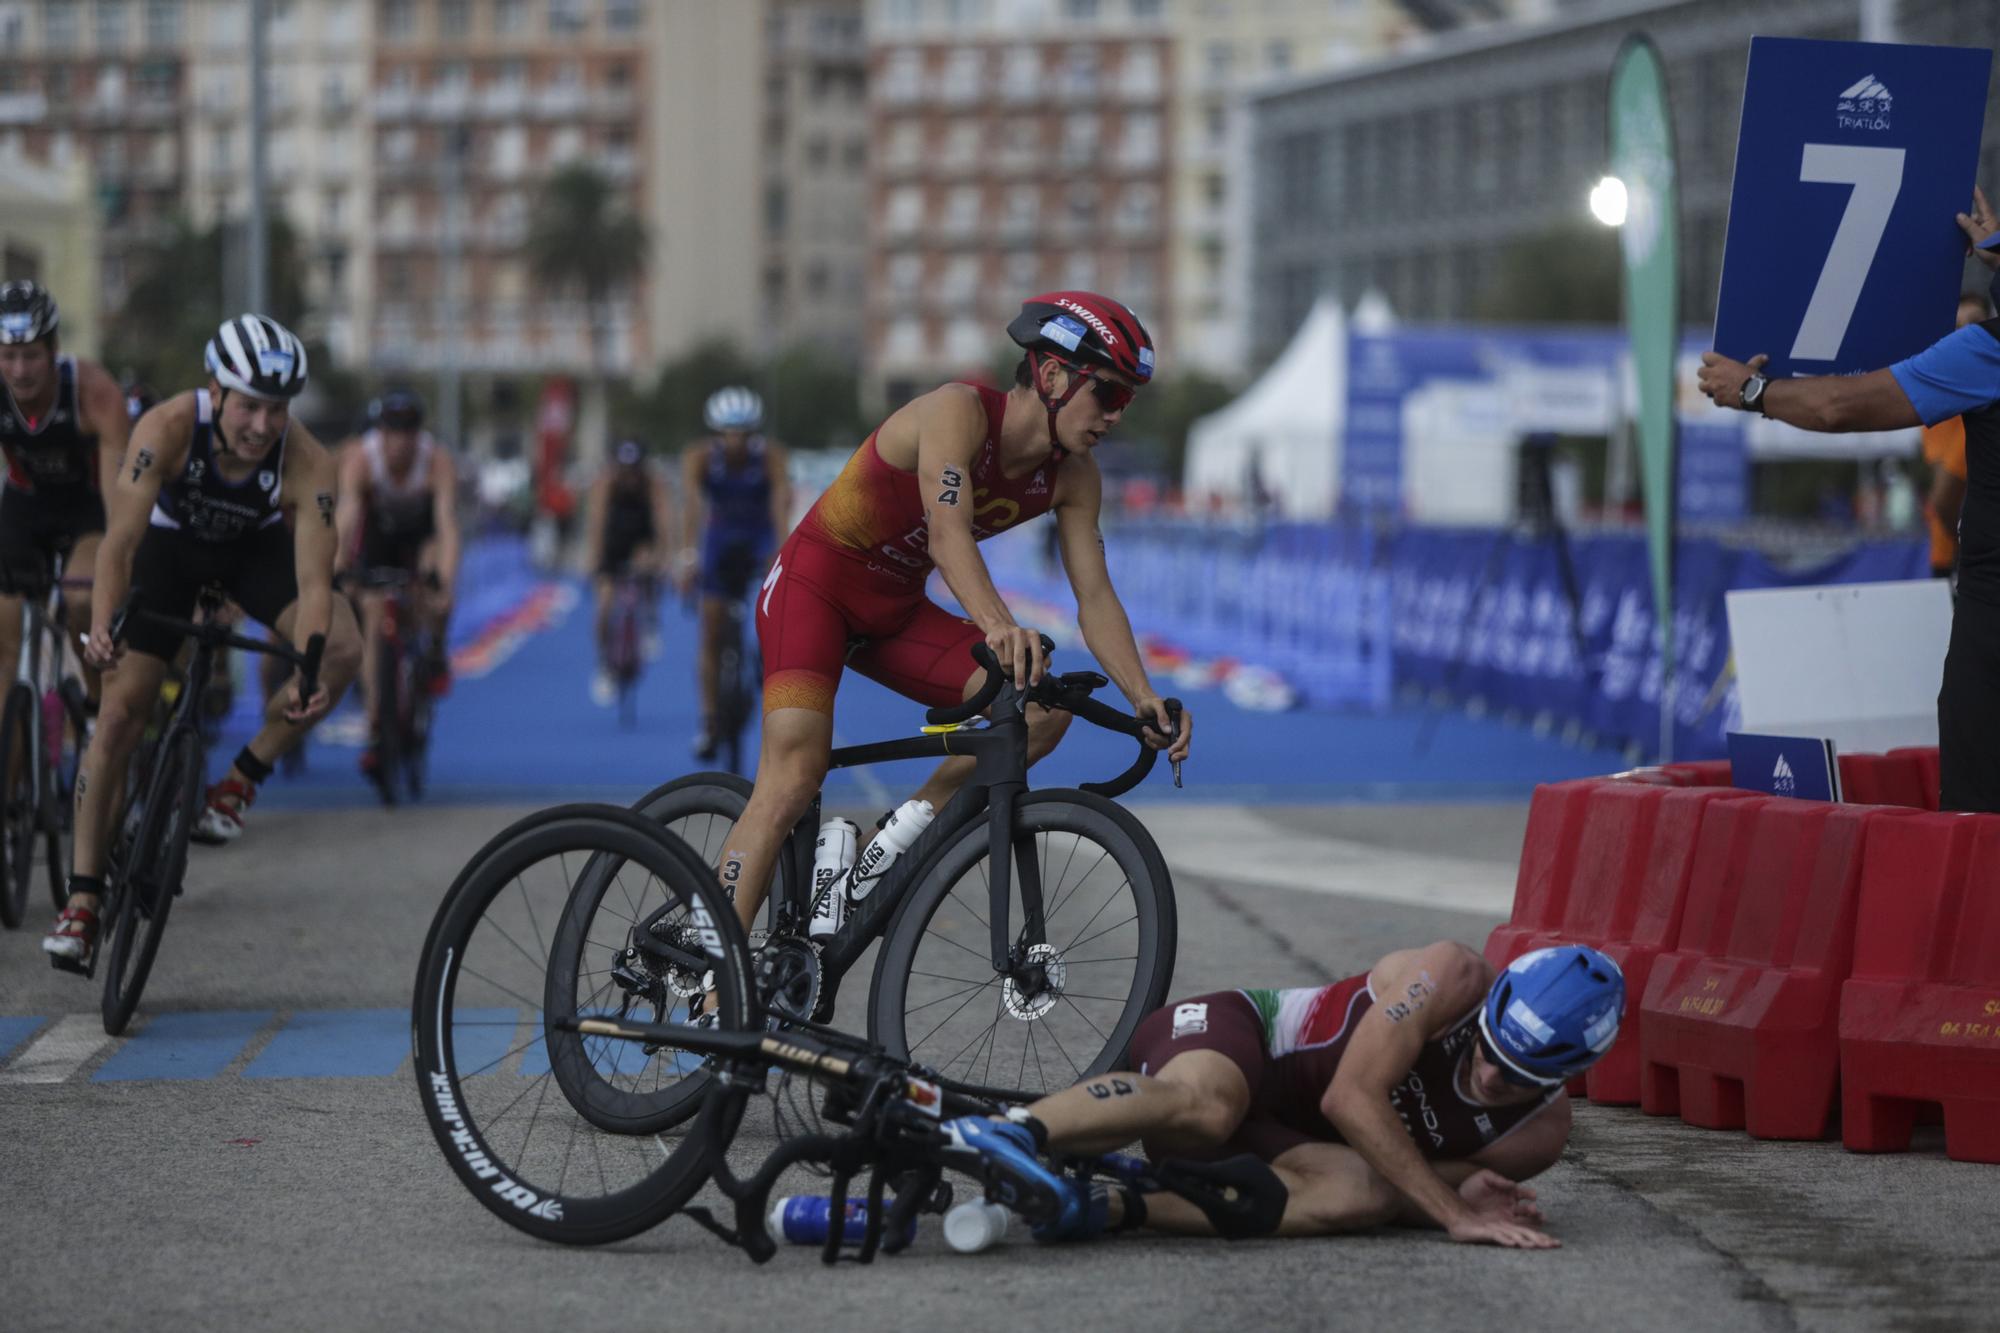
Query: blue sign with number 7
x=1853 y=157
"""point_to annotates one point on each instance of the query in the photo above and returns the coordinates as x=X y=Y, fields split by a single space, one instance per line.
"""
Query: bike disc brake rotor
x=788 y=977
x=1028 y=1006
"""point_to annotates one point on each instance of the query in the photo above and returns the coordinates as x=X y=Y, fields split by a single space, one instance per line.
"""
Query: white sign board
x=1859 y=664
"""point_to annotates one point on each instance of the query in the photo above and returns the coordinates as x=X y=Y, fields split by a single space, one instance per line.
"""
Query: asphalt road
x=239 y=1196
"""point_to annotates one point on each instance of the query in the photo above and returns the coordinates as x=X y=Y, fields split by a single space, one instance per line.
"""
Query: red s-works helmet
x=1084 y=330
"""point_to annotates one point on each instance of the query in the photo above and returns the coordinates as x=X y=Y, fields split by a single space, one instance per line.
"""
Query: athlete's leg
x=372 y=602
x=1331 y=1189
x=82 y=563
x=713 y=611
x=131 y=690
x=602 y=587
x=1192 y=1105
x=791 y=764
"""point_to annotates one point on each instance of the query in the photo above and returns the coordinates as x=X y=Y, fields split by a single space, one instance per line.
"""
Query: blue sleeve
x=1956 y=374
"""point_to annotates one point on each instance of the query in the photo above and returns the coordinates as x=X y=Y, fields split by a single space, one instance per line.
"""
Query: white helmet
x=257 y=355
x=734 y=408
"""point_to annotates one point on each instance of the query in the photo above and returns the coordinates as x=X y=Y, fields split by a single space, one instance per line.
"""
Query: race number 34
x=1877 y=177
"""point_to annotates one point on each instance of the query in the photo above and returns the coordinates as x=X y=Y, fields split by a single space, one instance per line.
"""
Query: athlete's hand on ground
x=1491 y=1195
x=312 y=711
x=99 y=651
x=1476 y=1229
x=1978 y=225
x=1020 y=652
x=1154 y=709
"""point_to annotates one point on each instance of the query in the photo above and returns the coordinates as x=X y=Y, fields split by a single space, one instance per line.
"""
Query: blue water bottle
x=803 y=1220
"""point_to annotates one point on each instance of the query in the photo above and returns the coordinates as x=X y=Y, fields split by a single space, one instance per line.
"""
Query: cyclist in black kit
x=202 y=497
x=63 y=427
x=631 y=516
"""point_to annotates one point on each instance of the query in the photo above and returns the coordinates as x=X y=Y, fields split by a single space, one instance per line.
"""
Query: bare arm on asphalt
x=1107 y=630
x=157 y=450
x=1419 y=993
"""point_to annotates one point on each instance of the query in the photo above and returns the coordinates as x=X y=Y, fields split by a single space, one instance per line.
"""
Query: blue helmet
x=1552 y=1013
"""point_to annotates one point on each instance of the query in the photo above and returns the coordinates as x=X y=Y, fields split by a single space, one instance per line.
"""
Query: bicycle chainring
x=788 y=977
x=1030 y=1005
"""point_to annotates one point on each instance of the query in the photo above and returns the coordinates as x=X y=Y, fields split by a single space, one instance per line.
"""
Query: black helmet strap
x=1077 y=379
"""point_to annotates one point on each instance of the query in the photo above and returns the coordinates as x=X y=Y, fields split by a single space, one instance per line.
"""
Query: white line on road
x=1233 y=844
x=59 y=1052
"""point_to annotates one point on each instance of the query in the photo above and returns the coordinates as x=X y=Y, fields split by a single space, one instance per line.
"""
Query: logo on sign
x=1865 y=106
x=1782 y=781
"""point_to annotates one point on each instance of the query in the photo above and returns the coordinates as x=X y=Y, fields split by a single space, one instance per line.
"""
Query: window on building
x=1020 y=73
x=221 y=146
x=855 y=155
x=1023 y=269
x=1215 y=189
x=1219 y=60
x=1080 y=11
x=163 y=23
x=906 y=144
x=1080 y=139
x=961 y=145
x=59 y=25
x=333 y=209
x=396 y=20
x=109 y=26
x=1022 y=210
x=1139 y=144
x=1080 y=272
x=961 y=211
x=13 y=27
x=964 y=75
x=906 y=274
x=454 y=19
x=776 y=208
x=510 y=17
x=1215 y=124
x=817 y=151
x=1139 y=208
x=1146 y=10
x=567 y=18
x=1081 y=204
x=1139 y=74
x=904 y=210
x=961 y=279
x=340 y=20
x=1278 y=55
x=622 y=16
x=903 y=75
x=1082 y=71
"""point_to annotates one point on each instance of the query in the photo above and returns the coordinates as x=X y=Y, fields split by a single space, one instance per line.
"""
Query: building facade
x=1413 y=177
x=102 y=88
x=48 y=232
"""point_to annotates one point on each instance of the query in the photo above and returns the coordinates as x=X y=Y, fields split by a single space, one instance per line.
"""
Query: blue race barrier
x=1350 y=614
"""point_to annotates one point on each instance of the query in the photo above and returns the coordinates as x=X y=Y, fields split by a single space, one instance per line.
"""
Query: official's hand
x=1155 y=709
x=1722 y=379
x=1979 y=224
x=313 y=710
x=1480 y=1230
x=1019 y=651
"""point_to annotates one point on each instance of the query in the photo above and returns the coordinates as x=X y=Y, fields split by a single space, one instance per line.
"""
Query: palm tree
x=582 y=239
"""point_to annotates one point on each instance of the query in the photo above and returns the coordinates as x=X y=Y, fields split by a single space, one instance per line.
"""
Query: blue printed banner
x=1842 y=253
x=1798 y=766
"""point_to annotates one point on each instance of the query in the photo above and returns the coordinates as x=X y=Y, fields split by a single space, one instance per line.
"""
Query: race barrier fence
x=1352 y=613
x=1784 y=959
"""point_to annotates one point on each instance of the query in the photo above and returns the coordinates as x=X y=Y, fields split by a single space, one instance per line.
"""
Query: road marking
x=1236 y=846
x=14 y=1031
x=184 y=1046
x=59 y=1052
x=339 y=1043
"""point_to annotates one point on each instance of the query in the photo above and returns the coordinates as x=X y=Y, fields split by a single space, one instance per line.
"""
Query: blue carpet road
x=528 y=732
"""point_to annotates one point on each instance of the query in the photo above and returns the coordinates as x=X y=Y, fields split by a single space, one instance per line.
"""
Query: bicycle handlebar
x=1071 y=693
x=221 y=636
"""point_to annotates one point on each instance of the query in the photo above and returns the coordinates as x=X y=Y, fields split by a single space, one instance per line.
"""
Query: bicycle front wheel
x=494 y=1071
x=1105 y=958
x=150 y=876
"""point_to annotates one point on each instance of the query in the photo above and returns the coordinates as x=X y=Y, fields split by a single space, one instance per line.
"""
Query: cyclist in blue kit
x=738 y=501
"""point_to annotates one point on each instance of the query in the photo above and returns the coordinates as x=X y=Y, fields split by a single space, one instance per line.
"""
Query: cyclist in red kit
x=944 y=472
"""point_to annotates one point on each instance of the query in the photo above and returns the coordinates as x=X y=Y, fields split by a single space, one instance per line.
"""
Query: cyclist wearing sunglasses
x=946 y=471
x=1419 y=1093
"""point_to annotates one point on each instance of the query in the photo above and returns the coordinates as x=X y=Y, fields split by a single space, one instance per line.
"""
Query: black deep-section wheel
x=149 y=876
x=1105 y=959
x=488 y=1042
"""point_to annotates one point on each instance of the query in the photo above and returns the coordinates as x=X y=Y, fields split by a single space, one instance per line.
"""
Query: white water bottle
x=904 y=827
x=833 y=857
x=974 y=1225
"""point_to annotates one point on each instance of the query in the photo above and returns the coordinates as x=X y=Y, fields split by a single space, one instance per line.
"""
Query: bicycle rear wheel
x=489 y=1056
x=151 y=874
x=1107 y=951
x=20 y=816
x=389 y=713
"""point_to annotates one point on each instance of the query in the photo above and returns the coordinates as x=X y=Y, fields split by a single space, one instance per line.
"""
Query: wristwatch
x=1752 y=394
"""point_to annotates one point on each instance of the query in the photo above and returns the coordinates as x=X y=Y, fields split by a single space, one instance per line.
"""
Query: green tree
x=582 y=238
x=1161 y=415
x=1567 y=275
x=814 y=398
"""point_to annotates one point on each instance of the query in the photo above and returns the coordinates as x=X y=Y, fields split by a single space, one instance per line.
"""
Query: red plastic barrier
x=1740 y=1022
x=1556 y=821
x=1920 y=1018
x=1885 y=779
x=1925 y=757
x=1700 y=773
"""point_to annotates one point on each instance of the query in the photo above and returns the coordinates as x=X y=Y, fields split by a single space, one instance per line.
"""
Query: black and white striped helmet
x=27 y=312
x=734 y=408
x=257 y=355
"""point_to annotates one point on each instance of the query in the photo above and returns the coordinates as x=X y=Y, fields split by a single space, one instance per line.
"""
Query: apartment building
x=102 y=87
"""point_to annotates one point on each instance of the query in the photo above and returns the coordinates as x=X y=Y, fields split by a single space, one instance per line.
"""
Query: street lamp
x=1608 y=201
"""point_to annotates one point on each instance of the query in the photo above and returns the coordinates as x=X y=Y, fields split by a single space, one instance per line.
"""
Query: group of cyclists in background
x=1423 y=1091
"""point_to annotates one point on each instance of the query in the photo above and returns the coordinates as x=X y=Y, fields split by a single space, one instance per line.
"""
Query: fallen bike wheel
x=1104 y=961
x=488 y=1045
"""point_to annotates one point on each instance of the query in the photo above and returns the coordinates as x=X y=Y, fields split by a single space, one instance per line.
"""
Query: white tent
x=1284 y=431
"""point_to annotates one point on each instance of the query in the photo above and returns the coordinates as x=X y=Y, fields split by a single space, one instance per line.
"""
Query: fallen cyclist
x=1420 y=1093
